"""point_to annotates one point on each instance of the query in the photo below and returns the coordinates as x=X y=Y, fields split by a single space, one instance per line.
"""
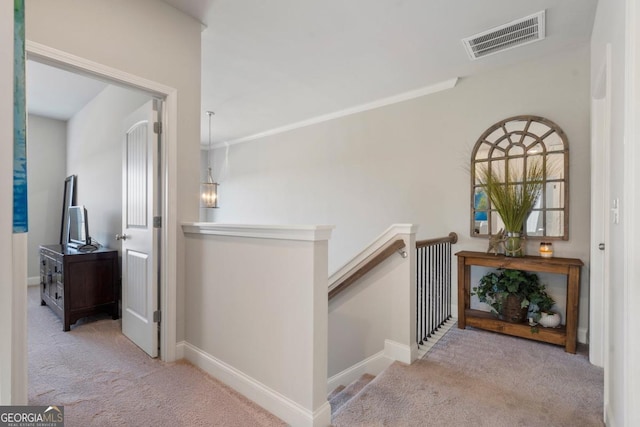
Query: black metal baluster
x=425 y=306
x=438 y=286
x=434 y=293
x=448 y=268
x=441 y=284
x=432 y=283
x=419 y=307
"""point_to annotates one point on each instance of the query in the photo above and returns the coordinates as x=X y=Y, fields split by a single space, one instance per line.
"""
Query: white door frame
x=600 y=215
x=631 y=210
x=168 y=168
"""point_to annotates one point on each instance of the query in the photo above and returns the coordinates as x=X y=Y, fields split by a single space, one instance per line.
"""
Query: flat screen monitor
x=78 y=227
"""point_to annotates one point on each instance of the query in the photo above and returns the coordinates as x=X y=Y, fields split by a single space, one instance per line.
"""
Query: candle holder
x=546 y=249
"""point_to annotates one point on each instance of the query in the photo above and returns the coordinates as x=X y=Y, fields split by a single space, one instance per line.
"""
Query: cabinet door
x=59 y=296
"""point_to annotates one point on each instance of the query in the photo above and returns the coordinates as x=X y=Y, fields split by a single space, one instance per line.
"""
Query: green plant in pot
x=513 y=195
x=512 y=294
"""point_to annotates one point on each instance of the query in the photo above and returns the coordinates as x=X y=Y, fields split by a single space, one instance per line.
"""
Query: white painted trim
x=73 y=63
x=19 y=361
x=168 y=236
x=169 y=233
x=583 y=335
x=283 y=232
x=427 y=90
x=373 y=365
x=379 y=244
x=400 y=352
x=600 y=184
x=180 y=350
x=609 y=421
x=33 y=281
x=291 y=412
x=631 y=210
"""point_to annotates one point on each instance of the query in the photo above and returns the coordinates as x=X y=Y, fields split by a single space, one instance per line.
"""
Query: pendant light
x=209 y=188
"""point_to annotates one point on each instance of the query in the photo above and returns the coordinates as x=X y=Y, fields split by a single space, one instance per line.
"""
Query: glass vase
x=513 y=244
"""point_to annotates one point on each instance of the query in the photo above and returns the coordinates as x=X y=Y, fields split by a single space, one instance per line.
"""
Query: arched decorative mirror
x=517 y=143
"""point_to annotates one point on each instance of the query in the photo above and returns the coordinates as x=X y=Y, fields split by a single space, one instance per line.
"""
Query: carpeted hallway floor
x=479 y=378
x=469 y=378
x=102 y=379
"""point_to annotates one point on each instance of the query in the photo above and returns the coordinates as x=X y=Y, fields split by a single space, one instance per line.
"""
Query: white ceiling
x=270 y=64
x=58 y=94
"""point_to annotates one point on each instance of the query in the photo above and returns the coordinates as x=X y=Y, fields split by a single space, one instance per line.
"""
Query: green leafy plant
x=512 y=195
x=495 y=287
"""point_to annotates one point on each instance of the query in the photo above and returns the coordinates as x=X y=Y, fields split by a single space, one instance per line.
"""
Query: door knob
x=601 y=246
x=121 y=237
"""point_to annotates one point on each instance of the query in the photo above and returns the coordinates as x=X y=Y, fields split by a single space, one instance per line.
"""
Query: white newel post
x=402 y=346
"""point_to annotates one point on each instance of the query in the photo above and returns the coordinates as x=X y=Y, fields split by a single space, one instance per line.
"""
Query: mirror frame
x=518 y=132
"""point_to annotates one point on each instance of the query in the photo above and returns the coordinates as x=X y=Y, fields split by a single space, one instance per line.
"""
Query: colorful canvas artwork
x=20 y=209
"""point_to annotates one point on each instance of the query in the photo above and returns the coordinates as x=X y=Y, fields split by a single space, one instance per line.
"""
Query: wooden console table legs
x=570 y=267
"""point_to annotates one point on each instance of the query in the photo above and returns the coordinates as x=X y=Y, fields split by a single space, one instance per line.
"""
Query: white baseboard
x=371 y=365
x=281 y=406
x=33 y=281
x=582 y=335
x=180 y=350
x=400 y=352
x=608 y=416
x=393 y=351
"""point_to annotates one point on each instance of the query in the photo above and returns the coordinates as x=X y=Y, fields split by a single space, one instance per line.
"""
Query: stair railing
x=367 y=266
x=434 y=285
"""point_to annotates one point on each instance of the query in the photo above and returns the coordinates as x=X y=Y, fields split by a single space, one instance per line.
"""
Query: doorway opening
x=166 y=166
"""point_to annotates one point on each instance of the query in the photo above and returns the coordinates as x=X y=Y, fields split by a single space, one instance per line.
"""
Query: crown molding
x=417 y=93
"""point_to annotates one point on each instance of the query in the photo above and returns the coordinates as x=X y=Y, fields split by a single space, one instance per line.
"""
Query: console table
x=77 y=284
x=566 y=335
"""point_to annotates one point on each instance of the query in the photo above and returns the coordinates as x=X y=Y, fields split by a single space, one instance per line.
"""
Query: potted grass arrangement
x=513 y=195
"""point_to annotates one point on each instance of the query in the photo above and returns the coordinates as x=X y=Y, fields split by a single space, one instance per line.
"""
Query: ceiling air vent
x=508 y=36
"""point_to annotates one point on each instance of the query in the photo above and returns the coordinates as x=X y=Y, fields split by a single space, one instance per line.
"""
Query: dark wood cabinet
x=77 y=284
x=570 y=267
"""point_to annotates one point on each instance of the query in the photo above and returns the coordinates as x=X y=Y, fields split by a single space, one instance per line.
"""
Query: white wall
x=151 y=40
x=47 y=158
x=609 y=27
x=407 y=163
x=256 y=325
x=94 y=154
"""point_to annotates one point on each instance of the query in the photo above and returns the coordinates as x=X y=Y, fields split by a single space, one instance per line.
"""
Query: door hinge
x=157 y=127
x=157 y=316
x=157 y=222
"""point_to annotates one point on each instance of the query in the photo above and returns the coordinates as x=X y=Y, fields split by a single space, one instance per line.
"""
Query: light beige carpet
x=479 y=378
x=103 y=379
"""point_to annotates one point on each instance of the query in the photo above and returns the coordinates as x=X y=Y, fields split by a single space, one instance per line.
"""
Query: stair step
x=335 y=392
x=344 y=395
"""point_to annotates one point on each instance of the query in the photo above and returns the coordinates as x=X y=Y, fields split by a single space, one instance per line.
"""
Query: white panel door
x=138 y=237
